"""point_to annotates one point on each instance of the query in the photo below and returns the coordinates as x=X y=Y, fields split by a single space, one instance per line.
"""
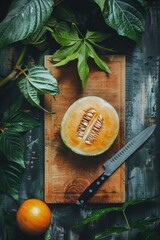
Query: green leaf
x=13 y=122
x=151 y=234
x=81 y=48
x=64 y=12
x=143 y=224
x=83 y=69
x=64 y=61
x=136 y=201
x=12 y=109
x=24 y=17
x=30 y=93
x=64 y=34
x=10 y=230
x=12 y=146
x=108 y=232
x=48 y=235
x=97 y=214
x=10 y=177
x=21 y=122
x=65 y=51
x=17 y=119
x=143 y=3
x=42 y=80
x=100 y=62
x=125 y=17
x=100 y=3
x=96 y=36
x=37 y=39
x=38 y=81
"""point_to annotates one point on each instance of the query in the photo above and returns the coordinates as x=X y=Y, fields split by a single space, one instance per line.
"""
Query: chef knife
x=115 y=162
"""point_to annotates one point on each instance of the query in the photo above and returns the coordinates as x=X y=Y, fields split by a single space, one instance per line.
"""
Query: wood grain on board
x=66 y=173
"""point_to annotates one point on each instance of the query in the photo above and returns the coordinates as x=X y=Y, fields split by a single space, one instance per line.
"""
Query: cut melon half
x=90 y=126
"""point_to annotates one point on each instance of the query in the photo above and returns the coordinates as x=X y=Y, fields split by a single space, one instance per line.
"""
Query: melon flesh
x=90 y=126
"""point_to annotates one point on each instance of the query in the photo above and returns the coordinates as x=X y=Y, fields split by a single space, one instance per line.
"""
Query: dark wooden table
x=142 y=178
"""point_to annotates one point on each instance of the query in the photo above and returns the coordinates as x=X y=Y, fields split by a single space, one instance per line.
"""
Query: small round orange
x=33 y=217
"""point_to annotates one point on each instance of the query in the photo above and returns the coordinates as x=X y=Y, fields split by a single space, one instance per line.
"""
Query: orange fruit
x=33 y=217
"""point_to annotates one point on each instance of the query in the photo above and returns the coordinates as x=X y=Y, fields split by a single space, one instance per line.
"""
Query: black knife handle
x=91 y=189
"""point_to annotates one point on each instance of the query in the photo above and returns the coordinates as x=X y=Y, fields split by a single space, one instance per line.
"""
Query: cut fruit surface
x=90 y=126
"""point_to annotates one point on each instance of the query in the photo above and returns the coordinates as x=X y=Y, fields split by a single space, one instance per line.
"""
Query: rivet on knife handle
x=92 y=189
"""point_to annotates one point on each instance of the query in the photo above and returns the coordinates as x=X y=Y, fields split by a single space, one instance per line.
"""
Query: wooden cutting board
x=66 y=173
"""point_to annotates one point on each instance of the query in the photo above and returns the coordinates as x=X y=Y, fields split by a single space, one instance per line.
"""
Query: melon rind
x=71 y=120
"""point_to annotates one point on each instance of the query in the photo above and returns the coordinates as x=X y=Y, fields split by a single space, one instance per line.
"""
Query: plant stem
x=21 y=56
x=22 y=71
x=13 y=74
x=100 y=47
x=126 y=219
x=78 y=29
x=9 y=78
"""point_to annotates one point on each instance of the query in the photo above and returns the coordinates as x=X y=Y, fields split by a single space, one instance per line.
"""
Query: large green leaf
x=13 y=122
x=65 y=35
x=94 y=37
x=24 y=18
x=65 y=52
x=37 y=81
x=10 y=177
x=37 y=39
x=126 y=17
x=68 y=58
x=100 y=62
x=12 y=108
x=30 y=93
x=110 y=231
x=64 y=12
x=12 y=146
x=143 y=224
x=21 y=122
x=15 y=118
x=83 y=69
x=137 y=201
x=101 y=3
x=81 y=48
x=97 y=214
x=10 y=226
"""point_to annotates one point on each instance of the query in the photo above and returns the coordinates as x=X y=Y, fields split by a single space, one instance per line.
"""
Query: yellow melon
x=90 y=126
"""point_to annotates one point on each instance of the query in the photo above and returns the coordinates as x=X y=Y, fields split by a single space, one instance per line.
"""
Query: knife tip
x=153 y=127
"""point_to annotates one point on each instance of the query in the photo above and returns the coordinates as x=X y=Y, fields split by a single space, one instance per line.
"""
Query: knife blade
x=115 y=162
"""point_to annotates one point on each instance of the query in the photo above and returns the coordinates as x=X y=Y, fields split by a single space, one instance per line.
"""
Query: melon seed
x=87 y=131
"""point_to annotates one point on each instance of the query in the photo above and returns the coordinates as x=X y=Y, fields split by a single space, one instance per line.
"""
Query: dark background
x=143 y=168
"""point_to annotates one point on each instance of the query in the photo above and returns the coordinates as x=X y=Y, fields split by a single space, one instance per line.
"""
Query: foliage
x=33 y=82
x=142 y=225
x=33 y=22
x=47 y=235
x=81 y=48
x=13 y=122
x=9 y=224
x=63 y=25
x=125 y=17
x=23 y=19
x=37 y=81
